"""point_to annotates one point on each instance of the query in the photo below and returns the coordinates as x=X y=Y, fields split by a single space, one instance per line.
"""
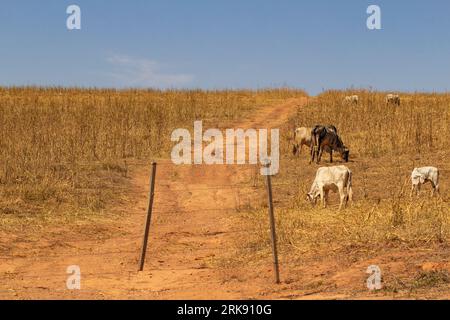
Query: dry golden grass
x=65 y=152
x=371 y=129
x=386 y=143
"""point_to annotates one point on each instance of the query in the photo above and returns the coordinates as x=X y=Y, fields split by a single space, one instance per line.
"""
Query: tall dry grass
x=420 y=125
x=63 y=150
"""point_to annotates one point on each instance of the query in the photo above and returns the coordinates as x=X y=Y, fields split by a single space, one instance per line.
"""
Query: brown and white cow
x=326 y=138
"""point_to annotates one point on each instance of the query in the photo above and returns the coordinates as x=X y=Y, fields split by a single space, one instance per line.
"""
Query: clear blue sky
x=211 y=44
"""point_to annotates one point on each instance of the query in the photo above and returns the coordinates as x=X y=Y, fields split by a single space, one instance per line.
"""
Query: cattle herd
x=339 y=178
x=391 y=99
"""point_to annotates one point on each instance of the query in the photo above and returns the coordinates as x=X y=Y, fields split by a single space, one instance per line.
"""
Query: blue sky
x=214 y=44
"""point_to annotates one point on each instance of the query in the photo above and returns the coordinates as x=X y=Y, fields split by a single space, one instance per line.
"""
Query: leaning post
x=149 y=217
x=273 y=235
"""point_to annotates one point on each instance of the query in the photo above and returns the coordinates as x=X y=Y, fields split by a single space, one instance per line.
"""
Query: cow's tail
x=349 y=187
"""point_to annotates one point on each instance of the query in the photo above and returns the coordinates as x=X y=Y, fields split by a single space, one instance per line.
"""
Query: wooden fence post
x=149 y=217
x=273 y=234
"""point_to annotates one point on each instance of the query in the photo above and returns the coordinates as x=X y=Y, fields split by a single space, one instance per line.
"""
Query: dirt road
x=193 y=228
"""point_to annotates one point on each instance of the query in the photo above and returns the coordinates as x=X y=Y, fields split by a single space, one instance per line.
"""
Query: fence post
x=149 y=217
x=273 y=234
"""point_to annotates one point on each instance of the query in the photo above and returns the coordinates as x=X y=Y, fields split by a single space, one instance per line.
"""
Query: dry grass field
x=326 y=251
x=74 y=187
x=65 y=153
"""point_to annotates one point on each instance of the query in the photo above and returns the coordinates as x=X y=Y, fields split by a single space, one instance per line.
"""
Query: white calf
x=351 y=100
x=420 y=176
x=337 y=179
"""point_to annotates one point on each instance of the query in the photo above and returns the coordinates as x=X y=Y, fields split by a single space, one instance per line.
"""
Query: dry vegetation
x=370 y=129
x=66 y=155
x=386 y=143
x=65 y=152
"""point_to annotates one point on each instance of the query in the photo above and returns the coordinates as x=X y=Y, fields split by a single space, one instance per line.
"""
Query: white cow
x=351 y=100
x=393 y=99
x=420 y=176
x=337 y=179
x=302 y=136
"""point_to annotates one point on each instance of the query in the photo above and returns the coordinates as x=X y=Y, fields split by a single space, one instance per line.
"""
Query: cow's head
x=313 y=195
x=310 y=198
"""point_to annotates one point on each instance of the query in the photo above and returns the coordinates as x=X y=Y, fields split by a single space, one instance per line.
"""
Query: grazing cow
x=302 y=136
x=326 y=138
x=393 y=99
x=336 y=179
x=351 y=100
x=420 y=176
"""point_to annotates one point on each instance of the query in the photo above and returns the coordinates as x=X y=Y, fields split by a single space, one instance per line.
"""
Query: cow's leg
x=316 y=153
x=319 y=154
x=313 y=153
x=413 y=188
x=313 y=146
x=346 y=197
x=322 y=198
x=342 y=196
x=319 y=157
x=350 y=195
x=435 y=189
x=331 y=156
x=327 y=194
